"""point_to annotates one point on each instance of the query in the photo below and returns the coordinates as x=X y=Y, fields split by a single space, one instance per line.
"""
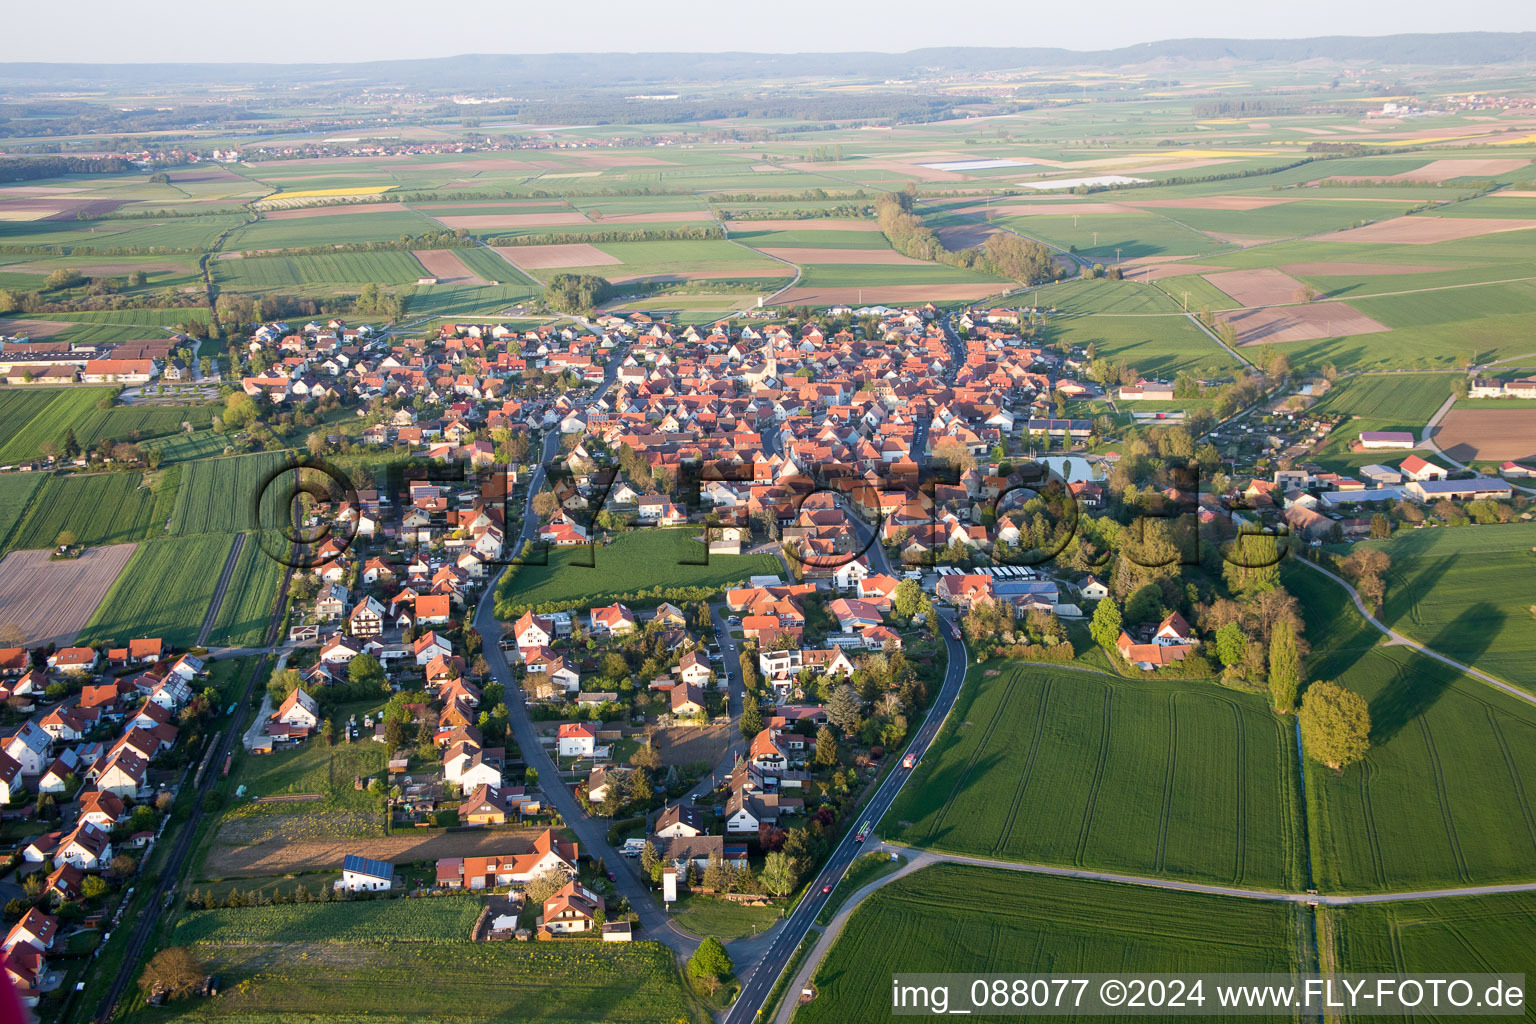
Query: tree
x=748 y=672
x=1105 y=627
x=845 y=710
x=649 y=858
x=175 y=971
x=710 y=961
x=71 y=445
x=639 y=789
x=328 y=733
x=94 y=887
x=365 y=668
x=394 y=735
x=1231 y=644
x=1335 y=725
x=778 y=874
x=545 y=504
x=1284 y=667
x=826 y=747
x=751 y=718
x=544 y=885
x=1253 y=565
x=907 y=598
x=1381 y=527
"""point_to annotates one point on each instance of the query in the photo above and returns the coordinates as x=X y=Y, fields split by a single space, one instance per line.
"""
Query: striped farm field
x=1470 y=934
x=52 y=413
x=1404 y=400
x=164 y=591
x=388 y=267
x=1467 y=593
x=958 y=919
x=101 y=508
x=16 y=490
x=1441 y=798
x=1051 y=766
x=218 y=495
x=247 y=609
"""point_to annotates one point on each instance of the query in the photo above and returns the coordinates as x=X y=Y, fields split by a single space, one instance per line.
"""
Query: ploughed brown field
x=552 y=257
x=34 y=328
x=281 y=856
x=1428 y=230
x=52 y=601
x=445 y=265
x=1498 y=435
x=1300 y=323
x=1264 y=286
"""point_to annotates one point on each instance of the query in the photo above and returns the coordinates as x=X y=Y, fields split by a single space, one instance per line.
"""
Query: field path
x=1396 y=639
x=220 y=590
x=922 y=859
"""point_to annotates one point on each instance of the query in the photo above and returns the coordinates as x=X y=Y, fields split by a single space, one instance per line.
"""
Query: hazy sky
x=286 y=31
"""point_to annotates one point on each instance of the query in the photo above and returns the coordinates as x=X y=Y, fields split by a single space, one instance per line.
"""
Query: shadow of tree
x=1416 y=691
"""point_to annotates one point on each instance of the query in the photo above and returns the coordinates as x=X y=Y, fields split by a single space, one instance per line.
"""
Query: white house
x=364 y=874
x=577 y=739
x=299 y=711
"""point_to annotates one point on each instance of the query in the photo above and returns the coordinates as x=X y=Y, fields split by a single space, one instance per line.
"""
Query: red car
x=826 y=890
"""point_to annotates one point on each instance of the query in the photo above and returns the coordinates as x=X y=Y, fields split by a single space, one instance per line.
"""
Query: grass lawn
x=725 y=920
x=1467 y=593
x=1161 y=778
x=164 y=591
x=369 y=959
x=952 y=918
x=636 y=567
x=1440 y=799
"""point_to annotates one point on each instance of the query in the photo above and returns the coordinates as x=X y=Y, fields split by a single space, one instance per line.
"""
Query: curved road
x=1398 y=639
x=924 y=859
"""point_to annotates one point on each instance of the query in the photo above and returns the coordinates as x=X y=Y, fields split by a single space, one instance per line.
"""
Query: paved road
x=758 y=979
x=1399 y=639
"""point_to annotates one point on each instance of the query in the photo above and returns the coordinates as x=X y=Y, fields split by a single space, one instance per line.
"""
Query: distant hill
x=507 y=73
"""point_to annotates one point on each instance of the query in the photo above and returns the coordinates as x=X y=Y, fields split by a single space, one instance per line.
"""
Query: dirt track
x=52 y=601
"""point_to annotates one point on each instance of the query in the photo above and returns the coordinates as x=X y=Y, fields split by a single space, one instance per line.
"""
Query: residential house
x=364 y=874
x=576 y=739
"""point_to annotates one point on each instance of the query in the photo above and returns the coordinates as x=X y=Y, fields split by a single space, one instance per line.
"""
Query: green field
x=954 y=919
x=247 y=609
x=334 y=229
x=1484 y=934
x=1467 y=593
x=1440 y=800
x=219 y=495
x=16 y=489
x=164 y=591
x=28 y=419
x=634 y=564
x=1406 y=399
x=18 y=408
x=1161 y=778
x=350 y=269
x=292 y=979
x=443 y=919
x=102 y=508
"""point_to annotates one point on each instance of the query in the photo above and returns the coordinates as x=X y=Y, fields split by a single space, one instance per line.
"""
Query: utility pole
x=1117 y=255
